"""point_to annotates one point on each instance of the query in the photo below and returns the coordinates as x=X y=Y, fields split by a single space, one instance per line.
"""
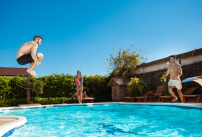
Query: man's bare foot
x=39 y=63
x=174 y=100
x=34 y=73
x=27 y=70
x=31 y=73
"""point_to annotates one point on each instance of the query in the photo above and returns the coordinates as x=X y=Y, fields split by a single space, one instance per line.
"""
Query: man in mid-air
x=27 y=54
x=175 y=71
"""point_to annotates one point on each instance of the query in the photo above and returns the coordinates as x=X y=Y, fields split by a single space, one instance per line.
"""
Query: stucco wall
x=163 y=65
x=152 y=78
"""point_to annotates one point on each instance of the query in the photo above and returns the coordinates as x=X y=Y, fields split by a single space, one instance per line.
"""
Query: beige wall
x=163 y=65
x=187 y=61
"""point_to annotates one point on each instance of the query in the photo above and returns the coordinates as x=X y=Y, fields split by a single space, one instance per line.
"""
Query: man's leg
x=40 y=57
x=170 y=89
x=31 y=71
x=180 y=94
x=32 y=66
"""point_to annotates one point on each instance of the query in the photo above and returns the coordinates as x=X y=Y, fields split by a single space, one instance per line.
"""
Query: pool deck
x=10 y=123
x=6 y=121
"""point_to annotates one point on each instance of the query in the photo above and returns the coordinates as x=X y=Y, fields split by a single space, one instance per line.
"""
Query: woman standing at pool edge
x=79 y=86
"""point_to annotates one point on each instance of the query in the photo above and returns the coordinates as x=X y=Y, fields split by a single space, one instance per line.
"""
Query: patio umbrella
x=197 y=79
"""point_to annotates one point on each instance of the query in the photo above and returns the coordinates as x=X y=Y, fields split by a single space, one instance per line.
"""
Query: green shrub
x=136 y=87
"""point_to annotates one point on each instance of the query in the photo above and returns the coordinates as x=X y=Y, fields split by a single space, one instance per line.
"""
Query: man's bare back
x=27 y=54
x=26 y=48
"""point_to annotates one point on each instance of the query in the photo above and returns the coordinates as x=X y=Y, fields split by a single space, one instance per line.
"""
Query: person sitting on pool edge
x=27 y=54
x=79 y=86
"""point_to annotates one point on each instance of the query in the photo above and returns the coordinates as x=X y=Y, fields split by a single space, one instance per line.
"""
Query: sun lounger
x=145 y=95
x=186 y=94
x=85 y=99
x=157 y=94
x=191 y=96
x=88 y=99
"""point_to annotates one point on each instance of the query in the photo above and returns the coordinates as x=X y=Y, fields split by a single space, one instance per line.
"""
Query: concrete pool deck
x=10 y=123
x=6 y=121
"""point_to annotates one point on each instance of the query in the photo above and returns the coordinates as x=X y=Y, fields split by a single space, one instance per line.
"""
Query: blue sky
x=80 y=34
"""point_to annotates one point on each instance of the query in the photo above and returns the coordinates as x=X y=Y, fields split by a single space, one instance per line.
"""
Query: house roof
x=119 y=81
x=179 y=56
x=4 y=71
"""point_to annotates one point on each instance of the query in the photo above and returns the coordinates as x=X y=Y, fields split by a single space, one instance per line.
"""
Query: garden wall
x=152 y=79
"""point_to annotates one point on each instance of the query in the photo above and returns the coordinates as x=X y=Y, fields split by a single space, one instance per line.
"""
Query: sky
x=80 y=34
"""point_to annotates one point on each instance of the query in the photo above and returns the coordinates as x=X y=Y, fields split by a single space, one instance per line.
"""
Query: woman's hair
x=78 y=71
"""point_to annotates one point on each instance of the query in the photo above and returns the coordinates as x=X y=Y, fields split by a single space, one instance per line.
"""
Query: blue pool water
x=109 y=120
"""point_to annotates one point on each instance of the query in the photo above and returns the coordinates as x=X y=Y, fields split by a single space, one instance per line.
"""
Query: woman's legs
x=81 y=94
x=78 y=95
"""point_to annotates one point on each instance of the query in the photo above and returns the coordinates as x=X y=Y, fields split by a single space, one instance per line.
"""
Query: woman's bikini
x=79 y=80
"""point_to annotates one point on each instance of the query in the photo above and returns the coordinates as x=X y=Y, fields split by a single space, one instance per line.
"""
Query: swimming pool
x=120 y=119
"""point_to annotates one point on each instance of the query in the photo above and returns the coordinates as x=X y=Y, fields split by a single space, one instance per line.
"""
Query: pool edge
x=20 y=121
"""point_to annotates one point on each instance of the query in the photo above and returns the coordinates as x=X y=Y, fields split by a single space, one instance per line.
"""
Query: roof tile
x=179 y=56
x=4 y=71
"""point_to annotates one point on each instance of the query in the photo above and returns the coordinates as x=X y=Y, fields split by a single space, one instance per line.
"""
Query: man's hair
x=174 y=56
x=37 y=36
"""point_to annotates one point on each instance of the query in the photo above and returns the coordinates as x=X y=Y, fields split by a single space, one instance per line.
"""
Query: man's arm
x=33 y=53
x=167 y=73
x=180 y=70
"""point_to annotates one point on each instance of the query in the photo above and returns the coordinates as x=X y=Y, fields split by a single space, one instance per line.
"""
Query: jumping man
x=27 y=54
x=175 y=71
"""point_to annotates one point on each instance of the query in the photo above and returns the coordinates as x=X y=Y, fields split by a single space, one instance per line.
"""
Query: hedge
x=51 y=89
x=44 y=101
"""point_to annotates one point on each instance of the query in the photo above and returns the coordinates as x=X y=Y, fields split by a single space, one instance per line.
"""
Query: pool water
x=108 y=120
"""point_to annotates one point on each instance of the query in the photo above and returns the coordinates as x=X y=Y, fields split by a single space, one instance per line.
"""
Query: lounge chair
x=157 y=94
x=142 y=97
x=88 y=99
x=186 y=94
x=145 y=95
x=84 y=99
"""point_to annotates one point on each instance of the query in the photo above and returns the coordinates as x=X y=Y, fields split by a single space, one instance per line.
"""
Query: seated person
x=84 y=95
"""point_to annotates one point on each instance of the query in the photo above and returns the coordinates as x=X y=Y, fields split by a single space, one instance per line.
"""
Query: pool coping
x=101 y=103
x=20 y=121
